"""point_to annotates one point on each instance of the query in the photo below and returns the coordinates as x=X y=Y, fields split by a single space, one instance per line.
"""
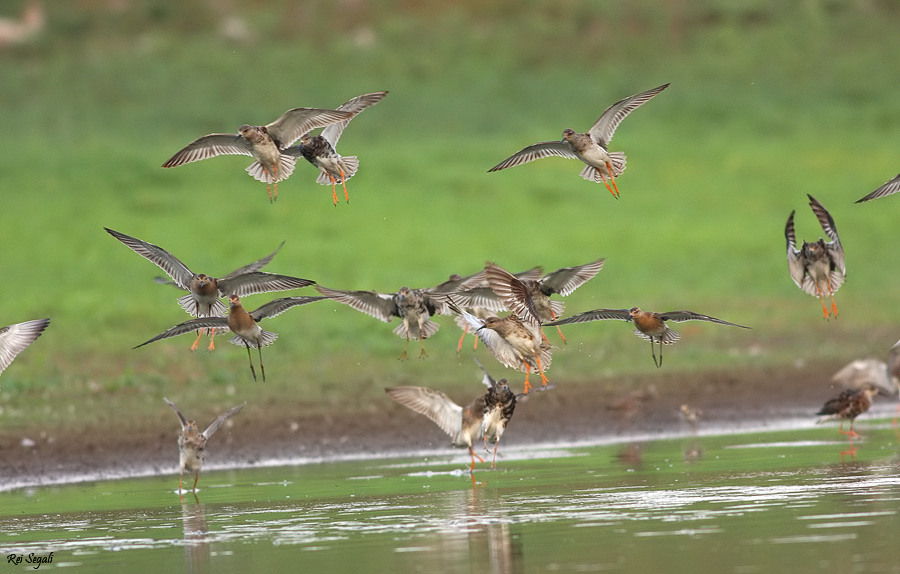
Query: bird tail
x=429 y=328
x=266 y=338
x=285 y=169
x=617 y=159
x=349 y=164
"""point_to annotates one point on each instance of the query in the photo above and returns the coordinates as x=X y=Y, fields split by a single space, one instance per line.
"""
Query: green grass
x=767 y=103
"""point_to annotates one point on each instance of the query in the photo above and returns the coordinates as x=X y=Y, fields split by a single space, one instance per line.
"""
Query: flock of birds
x=505 y=311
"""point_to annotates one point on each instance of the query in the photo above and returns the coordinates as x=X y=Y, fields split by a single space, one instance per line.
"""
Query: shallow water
x=793 y=500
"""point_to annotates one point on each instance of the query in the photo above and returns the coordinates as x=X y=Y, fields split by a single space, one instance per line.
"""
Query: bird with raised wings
x=592 y=148
x=205 y=291
x=320 y=150
x=817 y=268
x=265 y=144
x=192 y=442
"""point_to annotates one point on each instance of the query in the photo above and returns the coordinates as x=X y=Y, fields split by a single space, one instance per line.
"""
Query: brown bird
x=531 y=297
x=413 y=306
x=244 y=325
x=204 y=291
x=515 y=343
x=192 y=442
x=889 y=188
x=485 y=417
x=847 y=406
x=592 y=147
x=320 y=150
x=17 y=337
x=264 y=143
x=648 y=325
x=817 y=268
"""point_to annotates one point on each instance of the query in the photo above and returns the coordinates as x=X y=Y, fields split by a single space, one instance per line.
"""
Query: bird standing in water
x=847 y=406
x=192 y=442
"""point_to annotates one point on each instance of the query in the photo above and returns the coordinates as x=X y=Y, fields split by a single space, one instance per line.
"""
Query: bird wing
x=379 y=305
x=566 y=280
x=537 y=151
x=603 y=129
x=171 y=265
x=833 y=247
x=512 y=292
x=218 y=323
x=210 y=146
x=15 y=338
x=255 y=266
x=260 y=282
x=433 y=404
x=794 y=256
x=278 y=306
x=489 y=381
x=595 y=315
x=889 y=188
x=679 y=316
x=333 y=132
x=177 y=412
x=295 y=122
x=219 y=420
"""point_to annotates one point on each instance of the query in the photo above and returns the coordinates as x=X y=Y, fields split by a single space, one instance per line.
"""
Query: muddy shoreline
x=573 y=410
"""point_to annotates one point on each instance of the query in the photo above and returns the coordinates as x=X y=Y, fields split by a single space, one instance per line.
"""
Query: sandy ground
x=574 y=410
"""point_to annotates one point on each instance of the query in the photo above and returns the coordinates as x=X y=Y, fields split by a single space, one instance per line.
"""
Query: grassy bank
x=767 y=104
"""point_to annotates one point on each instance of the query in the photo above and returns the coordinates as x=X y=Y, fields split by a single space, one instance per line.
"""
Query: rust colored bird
x=592 y=148
x=648 y=325
x=847 y=406
x=817 y=268
x=244 y=325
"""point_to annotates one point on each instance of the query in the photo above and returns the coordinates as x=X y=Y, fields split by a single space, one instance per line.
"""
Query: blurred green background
x=768 y=101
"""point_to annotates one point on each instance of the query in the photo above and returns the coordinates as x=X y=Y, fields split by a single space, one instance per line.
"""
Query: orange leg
x=544 y=379
x=461 y=339
x=212 y=340
x=527 y=384
x=344 y=183
x=196 y=478
x=612 y=178
x=197 y=340
x=494 y=458
x=558 y=330
x=474 y=456
x=275 y=184
x=180 y=481
x=333 y=189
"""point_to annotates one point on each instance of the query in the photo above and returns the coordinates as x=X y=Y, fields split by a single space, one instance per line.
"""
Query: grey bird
x=889 y=188
x=592 y=148
x=265 y=144
x=192 y=442
x=817 y=268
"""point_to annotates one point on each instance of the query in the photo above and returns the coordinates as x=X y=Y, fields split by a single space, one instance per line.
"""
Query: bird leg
x=612 y=178
x=474 y=456
x=558 y=330
x=851 y=434
x=527 y=384
x=197 y=340
x=333 y=188
x=403 y=354
x=180 y=480
x=250 y=359
x=273 y=197
x=196 y=478
x=540 y=369
x=344 y=184
x=212 y=340
x=656 y=362
x=462 y=338
x=261 y=366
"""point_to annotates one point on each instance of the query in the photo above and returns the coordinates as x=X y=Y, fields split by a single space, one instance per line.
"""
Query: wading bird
x=244 y=325
x=648 y=325
x=817 y=268
x=192 y=442
x=847 y=406
x=320 y=150
x=17 y=337
x=204 y=291
x=265 y=144
x=485 y=417
x=592 y=147
x=889 y=188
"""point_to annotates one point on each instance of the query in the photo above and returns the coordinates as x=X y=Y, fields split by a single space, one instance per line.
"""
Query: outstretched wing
x=835 y=250
x=889 y=188
x=295 y=122
x=220 y=420
x=278 y=306
x=595 y=315
x=171 y=265
x=433 y=404
x=537 y=151
x=210 y=146
x=333 y=132
x=679 y=316
x=177 y=412
x=17 y=337
x=218 y=323
x=603 y=129
x=379 y=305
x=566 y=280
x=255 y=266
